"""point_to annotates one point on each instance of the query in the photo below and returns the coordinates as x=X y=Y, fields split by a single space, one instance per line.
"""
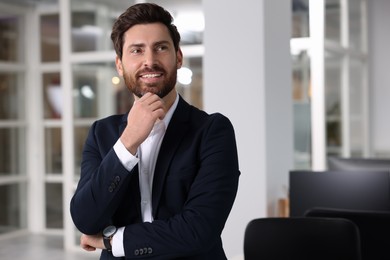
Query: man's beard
x=161 y=89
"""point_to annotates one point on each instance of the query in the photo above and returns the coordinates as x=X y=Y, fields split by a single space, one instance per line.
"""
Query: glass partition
x=50 y=38
x=332 y=21
x=54 y=205
x=95 y=89
x=11 y=96
x=13 y=207
x=333 y=102
x=91 y=23
x=357 y=104
x=356 y=22
x=13 y=179
x=52 y=96
x=9 y=32
x=13 y=151
x=53 y=151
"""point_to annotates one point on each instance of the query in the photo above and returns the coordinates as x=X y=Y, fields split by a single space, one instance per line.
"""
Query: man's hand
x=92 y=242
x=140 y=121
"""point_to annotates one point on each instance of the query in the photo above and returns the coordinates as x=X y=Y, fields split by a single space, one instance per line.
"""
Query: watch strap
x=107 y=242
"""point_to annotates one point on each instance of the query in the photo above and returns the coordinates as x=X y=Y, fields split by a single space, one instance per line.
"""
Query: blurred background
x=323 y=64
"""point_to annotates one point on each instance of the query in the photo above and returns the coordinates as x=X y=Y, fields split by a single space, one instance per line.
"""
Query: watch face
x=109 y=231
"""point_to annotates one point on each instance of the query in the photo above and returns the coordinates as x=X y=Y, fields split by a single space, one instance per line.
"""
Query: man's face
x=149 y=62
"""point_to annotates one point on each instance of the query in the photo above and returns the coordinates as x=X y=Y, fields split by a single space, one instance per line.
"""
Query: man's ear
x=179 y=59
x=119 y=66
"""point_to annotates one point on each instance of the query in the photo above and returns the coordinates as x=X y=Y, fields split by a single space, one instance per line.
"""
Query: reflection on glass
x=12 y=152
x=190 y=81
x=95 y=91
x=355 y=24
x=300 y=19
x=356 y=75
x=54 y=208
x=356 y=71
x=92 y=23
x=333 y=103
x=53 y=151
x=332 y=20
x=13 y=207
x=52 y=95
x=9 y=41
x=11 y=96
x=302 y=109
x=50 y=38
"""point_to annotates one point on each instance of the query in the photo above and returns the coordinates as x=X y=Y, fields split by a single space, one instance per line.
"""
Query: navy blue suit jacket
x=194 y=187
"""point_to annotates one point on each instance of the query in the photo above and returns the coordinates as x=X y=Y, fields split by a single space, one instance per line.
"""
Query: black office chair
x=374 y=229
x=301 y=238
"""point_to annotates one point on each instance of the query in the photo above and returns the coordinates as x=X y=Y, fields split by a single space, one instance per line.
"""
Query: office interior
x=301 y=80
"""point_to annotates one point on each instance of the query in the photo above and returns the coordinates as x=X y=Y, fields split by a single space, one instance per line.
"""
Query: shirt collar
x=172 y=109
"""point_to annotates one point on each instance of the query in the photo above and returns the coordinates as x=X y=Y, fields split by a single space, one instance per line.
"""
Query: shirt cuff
x=117 y=243
x=125 y=157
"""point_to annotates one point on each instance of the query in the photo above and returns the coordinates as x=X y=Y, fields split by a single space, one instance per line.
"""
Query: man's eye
x=135 y=51
x=161 y=48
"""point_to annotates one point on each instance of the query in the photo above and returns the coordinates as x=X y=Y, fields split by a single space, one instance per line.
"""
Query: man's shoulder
x=109 y=122
x=112 y=119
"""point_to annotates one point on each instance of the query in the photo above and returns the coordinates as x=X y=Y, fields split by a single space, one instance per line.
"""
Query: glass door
x=329 y=54
x=13 y=175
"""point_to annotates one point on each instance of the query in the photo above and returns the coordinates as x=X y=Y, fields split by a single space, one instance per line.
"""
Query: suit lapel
x=173 y=136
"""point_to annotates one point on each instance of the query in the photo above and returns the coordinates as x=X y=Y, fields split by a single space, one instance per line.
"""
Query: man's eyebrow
x=136 y=45
x=161 y=42
x=139 y=45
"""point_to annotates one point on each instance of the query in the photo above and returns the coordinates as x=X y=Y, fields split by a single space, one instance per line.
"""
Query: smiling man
x=158 y=182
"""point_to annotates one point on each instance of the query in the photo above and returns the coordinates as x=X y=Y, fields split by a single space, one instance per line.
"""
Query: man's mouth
x=151 y=75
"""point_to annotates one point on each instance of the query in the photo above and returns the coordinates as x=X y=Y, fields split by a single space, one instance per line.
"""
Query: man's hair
x=144 y=13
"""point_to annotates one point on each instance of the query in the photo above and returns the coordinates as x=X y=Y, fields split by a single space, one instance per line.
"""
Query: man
x=160 y=181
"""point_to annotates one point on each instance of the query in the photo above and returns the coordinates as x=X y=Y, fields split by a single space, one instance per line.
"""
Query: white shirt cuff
x=118 y=249
x=125 y=157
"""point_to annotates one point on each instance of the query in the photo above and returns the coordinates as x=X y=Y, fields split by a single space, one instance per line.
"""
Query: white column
x=345 y=82
x=35 y=132
x=317 y=65
x=67 y=122
x=247 y=77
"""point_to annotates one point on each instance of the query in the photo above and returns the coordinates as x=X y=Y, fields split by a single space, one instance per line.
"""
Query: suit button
x=117 y=179
x=136 y=252
x=150 y=250
x=112 y=187
x=141 y=251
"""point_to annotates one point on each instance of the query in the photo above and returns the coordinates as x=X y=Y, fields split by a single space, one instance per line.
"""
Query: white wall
x=247 y=77
x=379 y=61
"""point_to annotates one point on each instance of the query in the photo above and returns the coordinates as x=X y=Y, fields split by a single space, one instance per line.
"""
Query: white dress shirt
x=146 y=158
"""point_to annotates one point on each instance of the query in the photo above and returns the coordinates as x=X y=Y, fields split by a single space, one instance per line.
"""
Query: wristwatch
x=108 y=233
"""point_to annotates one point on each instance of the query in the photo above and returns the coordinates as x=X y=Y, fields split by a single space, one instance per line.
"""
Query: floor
x=34 y=247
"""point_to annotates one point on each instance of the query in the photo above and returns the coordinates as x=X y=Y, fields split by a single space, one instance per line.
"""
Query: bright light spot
x=184 y=76
x=115 y=80
x=87 y=92
x=190 y=21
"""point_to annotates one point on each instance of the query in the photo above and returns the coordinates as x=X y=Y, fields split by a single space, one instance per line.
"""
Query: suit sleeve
x=99 y=192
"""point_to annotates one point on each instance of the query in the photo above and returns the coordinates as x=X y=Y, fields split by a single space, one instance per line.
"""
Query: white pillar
x=247 y=77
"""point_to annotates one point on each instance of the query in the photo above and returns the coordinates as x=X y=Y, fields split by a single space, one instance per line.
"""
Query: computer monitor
x=360 y=190
x=358 y=164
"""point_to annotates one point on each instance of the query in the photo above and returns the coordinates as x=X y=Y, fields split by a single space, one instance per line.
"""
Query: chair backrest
x=374 y=227
x=301 y=238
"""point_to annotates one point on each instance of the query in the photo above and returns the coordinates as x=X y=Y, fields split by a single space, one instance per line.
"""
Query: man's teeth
x=151 y=75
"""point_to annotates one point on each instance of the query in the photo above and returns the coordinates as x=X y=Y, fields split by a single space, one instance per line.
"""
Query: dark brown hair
x=142 y=14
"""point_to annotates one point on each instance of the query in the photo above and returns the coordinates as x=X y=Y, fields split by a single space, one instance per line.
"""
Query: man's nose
x=150 y=58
